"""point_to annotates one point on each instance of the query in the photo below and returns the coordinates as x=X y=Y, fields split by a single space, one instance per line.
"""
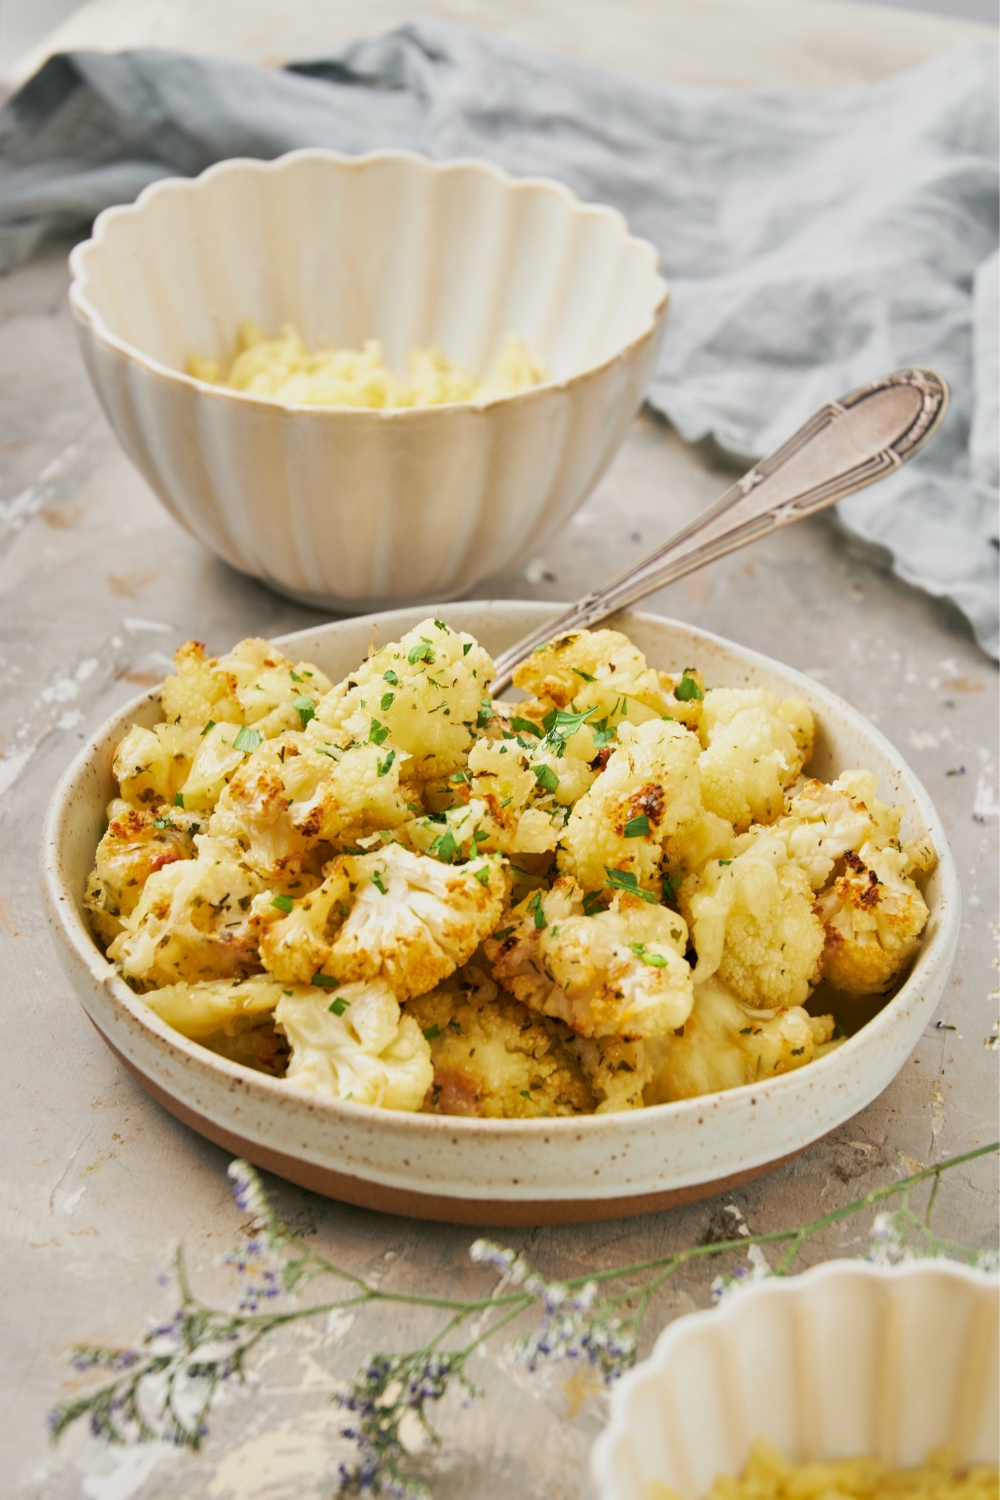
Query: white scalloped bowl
x=476 y=1171
x=342 y=507
x=847 y=1359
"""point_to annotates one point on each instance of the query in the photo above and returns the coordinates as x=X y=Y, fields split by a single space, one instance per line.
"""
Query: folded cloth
x=812 y=241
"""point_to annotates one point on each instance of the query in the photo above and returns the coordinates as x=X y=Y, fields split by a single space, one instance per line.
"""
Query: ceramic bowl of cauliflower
x=367 y=380
x=666 y=918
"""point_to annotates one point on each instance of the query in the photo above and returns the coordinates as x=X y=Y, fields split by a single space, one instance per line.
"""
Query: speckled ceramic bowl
x=507 y=1171
x=342 y=507
x=845 y=1360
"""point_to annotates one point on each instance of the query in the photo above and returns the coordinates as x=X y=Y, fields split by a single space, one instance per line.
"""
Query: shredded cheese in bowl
x=283 y=369
x=767 y=1476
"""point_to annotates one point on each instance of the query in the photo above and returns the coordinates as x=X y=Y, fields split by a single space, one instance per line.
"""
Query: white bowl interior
x=845 y=1360
x=389 y=246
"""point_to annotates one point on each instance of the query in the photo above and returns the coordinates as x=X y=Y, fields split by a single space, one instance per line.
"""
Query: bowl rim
x=87 y=313
x=63 y=912
x=687 y=1325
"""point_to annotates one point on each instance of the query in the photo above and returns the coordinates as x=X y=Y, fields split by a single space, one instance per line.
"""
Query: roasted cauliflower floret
x=872 y=916
x=254 y=684
x=617 y=1071
x=412 y=919
x=137 y=843
x=724 y=1045
x=755 y=746
x=232 y=1018
x=425 y=694
x=618 y=973
x=752 y=922
x=295 y=793
x=603 y=670
x=191 y=921
x=296 y=936
x=647 y=790
x=823 y=822
x=356 y=1046
x=495 y=1058
x=152 y=765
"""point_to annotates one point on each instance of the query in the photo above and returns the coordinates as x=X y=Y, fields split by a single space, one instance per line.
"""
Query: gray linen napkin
x=812 y=241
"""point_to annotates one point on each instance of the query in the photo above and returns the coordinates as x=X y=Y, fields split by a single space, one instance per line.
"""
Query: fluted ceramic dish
x=342 y=507
x=846 y=1360
x=507 y=1171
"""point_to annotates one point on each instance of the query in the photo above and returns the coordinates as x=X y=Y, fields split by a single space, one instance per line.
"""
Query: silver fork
x=844 y=446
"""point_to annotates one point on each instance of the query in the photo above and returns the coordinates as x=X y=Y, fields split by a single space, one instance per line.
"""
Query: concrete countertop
x=97 y=587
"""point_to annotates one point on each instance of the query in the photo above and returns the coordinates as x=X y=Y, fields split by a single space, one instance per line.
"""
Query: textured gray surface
x=96 y=587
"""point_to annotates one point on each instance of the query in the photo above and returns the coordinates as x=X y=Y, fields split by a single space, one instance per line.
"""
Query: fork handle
x=844 y=446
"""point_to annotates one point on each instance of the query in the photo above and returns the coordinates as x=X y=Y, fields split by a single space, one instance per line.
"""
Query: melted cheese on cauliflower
x=616 y=892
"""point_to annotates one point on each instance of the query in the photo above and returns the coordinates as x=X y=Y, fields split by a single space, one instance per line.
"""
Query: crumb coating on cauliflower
x=619 y=972
x=648 y=788
x=426 y=694
x=290 y=862
x=356 y=1046
x=494 y=1057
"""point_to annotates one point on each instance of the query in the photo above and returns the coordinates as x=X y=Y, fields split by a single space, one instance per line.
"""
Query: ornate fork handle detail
x=844 y=446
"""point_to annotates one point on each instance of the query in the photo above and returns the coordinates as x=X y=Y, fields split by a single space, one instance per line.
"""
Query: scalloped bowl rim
x=76 y=933
x=88 y=313
x=688 y=1325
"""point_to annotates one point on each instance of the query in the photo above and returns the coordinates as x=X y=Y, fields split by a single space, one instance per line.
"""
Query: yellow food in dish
x=621 y=891
x=767 y=1476
x=283 y=369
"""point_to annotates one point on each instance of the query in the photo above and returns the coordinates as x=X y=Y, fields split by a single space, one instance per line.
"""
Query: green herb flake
x=325 y=982
x=670 y=885
x=504 y=932
x=637 y=827
x=432 y=1033
x=535 y=907
x=525 y=1095
x=208 y=726
x=445 y=846
x=525 y=726
x=383 y=762
x=745 y=1030
x=687 y=688
x=546 y=778
x=485 y=713
x=391 y=678
x=466 y=647
x=283 y=903
x=161 y=822
x=626 y=880
x=305 y=708
x=482 y=875
x=459 y=776
x=247 y=740
x=294 y=676
x=287 y=992
x=654 y=960
x=387 y=701
x=423 y=652
x=439 y=626
x=585 y=675
x=725 y=861
x=194 y=828
x=379 y=883
x=592 y=904
x=378 y=733
x=338 y=1007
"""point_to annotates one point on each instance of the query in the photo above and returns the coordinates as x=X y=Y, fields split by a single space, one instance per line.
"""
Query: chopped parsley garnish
x=725 y=861
x=482 y=875
x=745 y=1030
x=546 y=777
x=161 y=822
x=602 y=734
x=338 y=1007
x=459 y=776
x=479 y=836
x=525 y=726
x=423 y=652
x=195 y=828
x=592 y=904
x=561 y=725
x=378 y=733
x=637 y=827
x=526 y=1095
x=294 y=675
x=208 y=726
x=283 y=903
x=485 y=713
x=391 y=678
x=504 y=932
x=379 y=883
x=670 y=884
x=327 y=751
x=387 y=701
x=305 y=708
x=383 y=762
x=585 y=675
x=432 y=1033
x=535 y=907
x=655 y=960
x=439 y=626
x=626 y=880
x=466 y=647
x=178 y=799
x=445 y=846
x=247 y=739
x=325 y=982
x=687 y=688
